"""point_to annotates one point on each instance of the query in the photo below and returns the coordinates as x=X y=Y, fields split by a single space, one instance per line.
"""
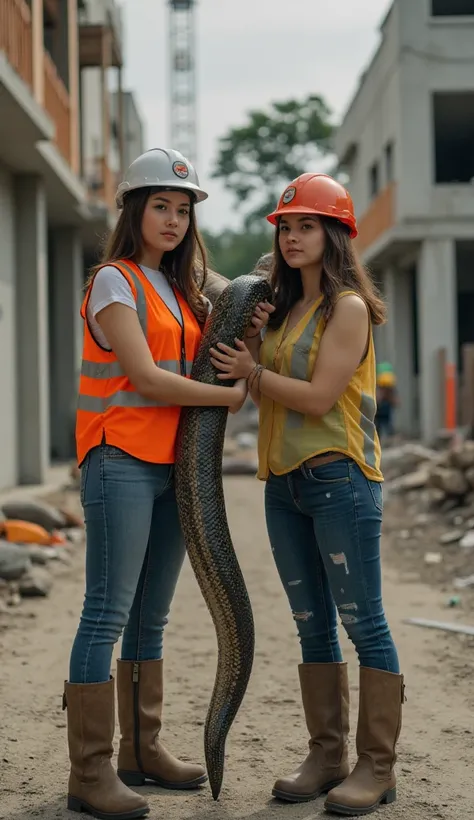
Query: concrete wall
x=436 y=55
x=418 y=55
x=373 y=117
x=8 y=386
x=92 y=122
x=99 y=11
x=65 y=337
x=32 y=329
x=133 y=126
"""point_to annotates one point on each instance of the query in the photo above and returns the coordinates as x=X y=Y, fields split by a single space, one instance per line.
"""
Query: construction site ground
x=269 y=737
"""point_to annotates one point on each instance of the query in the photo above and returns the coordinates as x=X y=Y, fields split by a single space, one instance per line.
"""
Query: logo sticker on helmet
x=180 y=169
x=289 y=194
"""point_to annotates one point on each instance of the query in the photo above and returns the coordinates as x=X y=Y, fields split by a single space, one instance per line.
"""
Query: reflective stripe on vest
x=111 y=370
x=141 y=298
x=367 y=423
x=109 y=407
x=122 y=398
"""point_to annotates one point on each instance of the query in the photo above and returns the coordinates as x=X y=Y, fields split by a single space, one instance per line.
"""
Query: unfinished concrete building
x=53 y=212
x=407 y=145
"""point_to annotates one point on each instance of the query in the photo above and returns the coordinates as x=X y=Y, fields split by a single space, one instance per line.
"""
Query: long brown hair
x=342 y=270
x=179 y=265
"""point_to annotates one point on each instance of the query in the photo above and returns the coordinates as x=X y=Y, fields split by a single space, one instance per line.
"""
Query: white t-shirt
x=111 y=286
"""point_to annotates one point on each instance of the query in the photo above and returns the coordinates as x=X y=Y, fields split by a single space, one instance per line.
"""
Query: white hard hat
x=162 y=168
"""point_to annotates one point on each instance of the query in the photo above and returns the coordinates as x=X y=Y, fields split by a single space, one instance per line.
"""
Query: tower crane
x=182 y=79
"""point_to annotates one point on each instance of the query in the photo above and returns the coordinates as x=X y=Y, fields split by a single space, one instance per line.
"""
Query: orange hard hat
x=316 y=194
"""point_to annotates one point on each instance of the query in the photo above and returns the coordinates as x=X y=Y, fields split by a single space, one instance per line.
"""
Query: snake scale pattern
x=200 y=496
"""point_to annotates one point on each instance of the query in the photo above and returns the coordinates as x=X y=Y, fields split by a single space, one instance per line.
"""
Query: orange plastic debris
x=24 y=532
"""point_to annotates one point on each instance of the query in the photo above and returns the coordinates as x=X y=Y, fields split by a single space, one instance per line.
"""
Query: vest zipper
x=136 y=711
x=183 y=338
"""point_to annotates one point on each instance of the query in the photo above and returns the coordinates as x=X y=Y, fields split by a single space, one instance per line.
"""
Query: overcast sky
x=249 y=53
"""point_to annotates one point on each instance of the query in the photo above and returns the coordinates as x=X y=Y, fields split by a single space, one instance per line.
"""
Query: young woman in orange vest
x=319 y=453
x=143 y=318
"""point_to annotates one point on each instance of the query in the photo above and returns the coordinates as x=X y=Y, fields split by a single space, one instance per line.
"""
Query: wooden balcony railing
x=378 y=218
x=57 y=104
x=16 y=37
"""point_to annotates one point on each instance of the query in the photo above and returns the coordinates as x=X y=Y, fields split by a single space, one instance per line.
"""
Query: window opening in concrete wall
x=389 y=162
x=452 y=8
x=374 y=182
x=453 y=115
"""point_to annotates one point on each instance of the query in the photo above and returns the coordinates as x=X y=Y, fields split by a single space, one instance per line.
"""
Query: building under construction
x=407 y=144
x=62 y=145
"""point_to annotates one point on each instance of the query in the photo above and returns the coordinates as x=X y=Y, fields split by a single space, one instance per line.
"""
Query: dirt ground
x=268 y=737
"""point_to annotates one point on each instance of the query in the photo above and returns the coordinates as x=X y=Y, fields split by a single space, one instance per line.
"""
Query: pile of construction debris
x=437 y=480
x=35 y=538
x=430 y=511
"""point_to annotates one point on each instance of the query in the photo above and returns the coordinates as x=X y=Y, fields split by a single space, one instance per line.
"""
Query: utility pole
x=182 y=63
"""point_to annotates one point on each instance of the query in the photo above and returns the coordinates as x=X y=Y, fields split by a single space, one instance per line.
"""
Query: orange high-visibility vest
x=109 y=407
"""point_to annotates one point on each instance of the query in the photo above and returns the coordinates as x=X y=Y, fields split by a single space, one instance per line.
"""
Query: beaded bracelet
x=251 y=377
x=257 y=374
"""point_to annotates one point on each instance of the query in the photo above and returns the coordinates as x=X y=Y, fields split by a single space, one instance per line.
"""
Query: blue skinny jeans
x=324 y=525
x=134 y=554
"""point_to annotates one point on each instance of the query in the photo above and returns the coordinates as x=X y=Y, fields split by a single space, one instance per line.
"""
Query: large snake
x=206 y=532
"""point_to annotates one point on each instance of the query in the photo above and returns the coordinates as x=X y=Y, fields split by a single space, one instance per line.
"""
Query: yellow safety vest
x=287 y=438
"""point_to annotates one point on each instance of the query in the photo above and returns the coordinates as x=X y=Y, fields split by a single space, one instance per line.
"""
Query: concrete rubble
x=28 y=569
x=429 y=497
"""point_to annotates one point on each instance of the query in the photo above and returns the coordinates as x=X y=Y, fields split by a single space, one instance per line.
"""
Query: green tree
x=233 y=254
x=257 y=160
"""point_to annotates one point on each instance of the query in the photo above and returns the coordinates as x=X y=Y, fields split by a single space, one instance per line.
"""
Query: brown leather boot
x=325 y=693
x=372 y=781
x=142 y=755
x=93 y=783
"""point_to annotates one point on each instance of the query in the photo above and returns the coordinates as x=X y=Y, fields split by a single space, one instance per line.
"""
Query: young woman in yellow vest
x=143 y=319
x=315 y=383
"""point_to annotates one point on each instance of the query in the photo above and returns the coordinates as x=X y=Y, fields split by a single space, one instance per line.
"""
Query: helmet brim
x=165 y=185
x=301 y=209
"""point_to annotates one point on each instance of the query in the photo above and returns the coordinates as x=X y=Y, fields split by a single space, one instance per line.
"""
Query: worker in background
x=143 y=315
x=313 y=377
x=387 y=401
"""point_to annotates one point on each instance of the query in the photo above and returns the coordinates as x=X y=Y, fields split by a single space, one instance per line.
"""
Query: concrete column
x=437 y=319
x=400 y=345
x=65 y=337
x=380 y=331
x=121 y=122
x=32 y=329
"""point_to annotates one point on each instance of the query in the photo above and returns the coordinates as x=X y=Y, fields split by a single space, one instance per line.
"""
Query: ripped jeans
x=324 y=525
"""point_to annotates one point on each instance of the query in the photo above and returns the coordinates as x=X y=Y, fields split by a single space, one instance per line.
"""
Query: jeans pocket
x=336 y=472
x=111 y=452
x=83 y=482
x=376 y=491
